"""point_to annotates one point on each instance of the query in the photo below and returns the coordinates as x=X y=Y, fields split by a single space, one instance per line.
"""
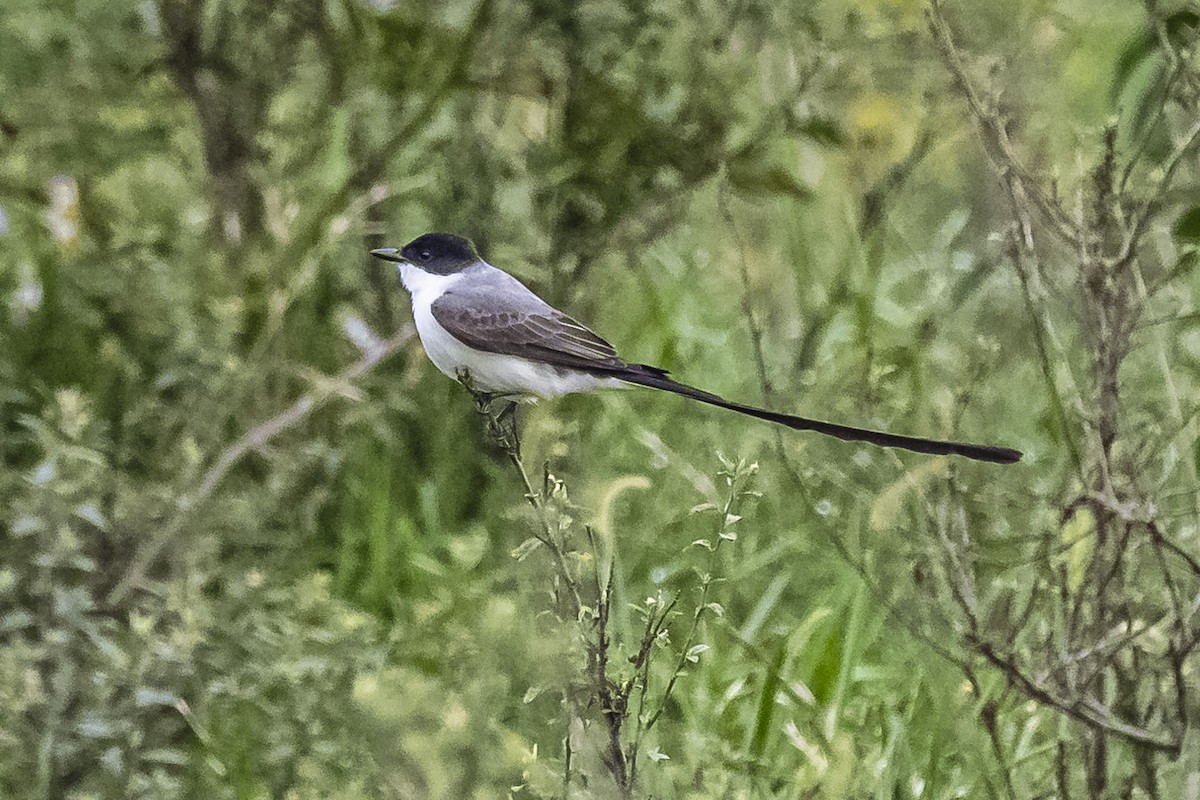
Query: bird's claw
x=501 y=425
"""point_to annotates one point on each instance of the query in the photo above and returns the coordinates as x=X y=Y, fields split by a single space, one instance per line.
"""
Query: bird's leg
x=506 y=421
x=500 y=423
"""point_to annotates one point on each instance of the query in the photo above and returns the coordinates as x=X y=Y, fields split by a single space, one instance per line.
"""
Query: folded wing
x=509 y=319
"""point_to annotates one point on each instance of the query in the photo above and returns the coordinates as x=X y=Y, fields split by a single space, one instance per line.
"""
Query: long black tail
x=649 y=376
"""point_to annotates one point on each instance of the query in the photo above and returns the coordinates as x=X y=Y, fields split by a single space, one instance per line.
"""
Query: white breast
x=491 y=372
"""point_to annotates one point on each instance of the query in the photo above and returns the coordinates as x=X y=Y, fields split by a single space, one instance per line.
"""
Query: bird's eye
x=426 y=255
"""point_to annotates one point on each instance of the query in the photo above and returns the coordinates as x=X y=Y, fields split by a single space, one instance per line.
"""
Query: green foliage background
x=189 y=189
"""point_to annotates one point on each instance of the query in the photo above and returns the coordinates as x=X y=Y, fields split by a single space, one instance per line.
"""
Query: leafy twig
x=501 y=425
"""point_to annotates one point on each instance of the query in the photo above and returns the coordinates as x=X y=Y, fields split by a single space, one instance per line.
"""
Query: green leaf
x=166 y=755
x=522 y=551
x=771 y=179
x=1145 y=45
x=1138 y=49
x=822 y=130
x=1076 y=536
x=1187 y=227
x=766 y=701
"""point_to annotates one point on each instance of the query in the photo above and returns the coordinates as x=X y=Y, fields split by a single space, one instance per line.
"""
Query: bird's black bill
x=388 y=254
x=936 y=447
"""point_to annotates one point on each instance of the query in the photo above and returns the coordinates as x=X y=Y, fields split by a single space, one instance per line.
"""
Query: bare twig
x=988 y=713
x=612 y=704
x=1174 y=547
x=755 y=330
x=1140 y=219
x=1177 y=70
x=257 y=437
x=1043 y=331
x=994 y=133
x=1082 y=710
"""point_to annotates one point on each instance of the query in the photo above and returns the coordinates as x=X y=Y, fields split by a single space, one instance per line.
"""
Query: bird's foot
x=503 y=427
x=499 y=412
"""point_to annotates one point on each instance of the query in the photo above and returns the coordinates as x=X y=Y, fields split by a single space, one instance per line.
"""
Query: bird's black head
x=438 y=253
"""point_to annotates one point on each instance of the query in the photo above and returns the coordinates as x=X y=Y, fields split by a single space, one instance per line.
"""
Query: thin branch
x=683 y=655
x=612 y=707
x=1164 y=365
x=501 y=427
x=1089 y=713
x=756 y=333
x=1158 y=536
x=1131 y=163
x=988 y=714
x=1103 y=651
x=1133 y=513
x=1043 y=332
x=255 y=438
x=1140 y=219
x=641 y=668
x=1174 y=654
x=994 y=134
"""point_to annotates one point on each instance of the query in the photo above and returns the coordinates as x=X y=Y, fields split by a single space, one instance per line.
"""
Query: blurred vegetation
x=253 y=545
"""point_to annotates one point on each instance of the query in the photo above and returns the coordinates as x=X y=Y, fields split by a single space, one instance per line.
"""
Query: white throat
x=425 y=287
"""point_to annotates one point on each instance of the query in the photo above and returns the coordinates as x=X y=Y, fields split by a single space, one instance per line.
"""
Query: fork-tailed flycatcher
x=472 y=316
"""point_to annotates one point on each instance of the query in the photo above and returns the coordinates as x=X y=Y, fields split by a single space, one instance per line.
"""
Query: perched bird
x=476 y=318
